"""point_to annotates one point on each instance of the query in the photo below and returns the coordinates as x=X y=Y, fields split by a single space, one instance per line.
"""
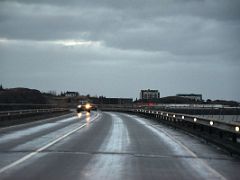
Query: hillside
x=22 y=95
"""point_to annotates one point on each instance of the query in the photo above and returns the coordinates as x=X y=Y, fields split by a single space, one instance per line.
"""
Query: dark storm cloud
x=153 y=42
x=219 y=9
x=199 y=26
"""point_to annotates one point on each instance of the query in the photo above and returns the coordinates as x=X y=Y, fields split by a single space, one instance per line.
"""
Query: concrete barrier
x=223 y=134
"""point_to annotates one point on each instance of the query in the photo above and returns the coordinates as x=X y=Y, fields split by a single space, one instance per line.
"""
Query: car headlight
x=88 y=106
x=79 y=106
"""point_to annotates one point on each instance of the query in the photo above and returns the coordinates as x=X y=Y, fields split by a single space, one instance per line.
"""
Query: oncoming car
x=84 y=107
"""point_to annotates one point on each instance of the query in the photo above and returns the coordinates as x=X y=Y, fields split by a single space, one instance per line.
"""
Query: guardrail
x=22 y=106
x=224 y=134
x=193 y=110
x=7 y=115
x=233 y=127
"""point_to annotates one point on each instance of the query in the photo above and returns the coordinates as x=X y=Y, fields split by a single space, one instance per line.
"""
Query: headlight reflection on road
x=79 y=115
x=88 y=120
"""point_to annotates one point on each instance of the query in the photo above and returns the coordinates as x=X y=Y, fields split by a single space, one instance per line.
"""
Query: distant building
x=104 y=100
x=149 y=94
x=71 y=94
x=195 y=97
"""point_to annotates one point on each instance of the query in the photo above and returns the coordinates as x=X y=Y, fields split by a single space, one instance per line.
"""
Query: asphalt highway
x=108 y=145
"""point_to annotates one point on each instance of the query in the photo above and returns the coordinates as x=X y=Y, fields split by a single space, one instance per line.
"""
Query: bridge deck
x=108 y=145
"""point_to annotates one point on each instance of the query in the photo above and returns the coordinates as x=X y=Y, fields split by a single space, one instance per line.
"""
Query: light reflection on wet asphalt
x=114 y=146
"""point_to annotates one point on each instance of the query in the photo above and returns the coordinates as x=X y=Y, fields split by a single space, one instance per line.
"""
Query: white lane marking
x=12 y=135
x=16 y=134
x=194 y=155
x=24 y=158
x=142 y=121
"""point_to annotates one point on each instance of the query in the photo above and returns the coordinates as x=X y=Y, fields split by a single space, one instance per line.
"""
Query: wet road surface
x=108 y=145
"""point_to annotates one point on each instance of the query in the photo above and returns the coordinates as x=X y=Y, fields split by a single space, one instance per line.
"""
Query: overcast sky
x=116 y=48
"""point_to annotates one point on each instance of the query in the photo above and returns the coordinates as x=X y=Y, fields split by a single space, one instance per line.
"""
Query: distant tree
x=62 y=93
x=208 y=101
x=53 y=93
x=1 y=87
